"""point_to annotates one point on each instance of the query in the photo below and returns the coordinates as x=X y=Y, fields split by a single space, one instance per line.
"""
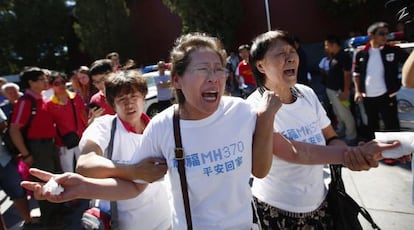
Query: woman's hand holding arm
x=262 y=139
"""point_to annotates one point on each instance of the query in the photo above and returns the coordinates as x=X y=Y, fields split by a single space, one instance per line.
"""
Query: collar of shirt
x=130 y=128
x=127 y=126
x=33 y=94
x=55 y=100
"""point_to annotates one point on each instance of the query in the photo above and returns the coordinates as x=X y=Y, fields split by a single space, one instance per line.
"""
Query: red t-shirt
x=42 y=125
x=245 y=71
x=63 y=116
x=100 y=100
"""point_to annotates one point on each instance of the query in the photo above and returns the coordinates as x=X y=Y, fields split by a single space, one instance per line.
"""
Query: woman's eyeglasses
x=382 y=33
x=205 y=72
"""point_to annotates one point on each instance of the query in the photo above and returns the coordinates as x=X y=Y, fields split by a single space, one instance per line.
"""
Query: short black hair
x=333 y=39
x=261 y=44
x=30 y=74
x=101 y=66
x=56 y=74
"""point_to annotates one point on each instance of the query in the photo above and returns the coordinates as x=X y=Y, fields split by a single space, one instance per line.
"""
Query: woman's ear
x=259 y=66
x=175 y=79
x=29 y=83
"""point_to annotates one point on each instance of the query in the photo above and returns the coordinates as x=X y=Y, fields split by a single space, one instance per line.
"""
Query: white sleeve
x=148 y=146
x=99 y=131
x=237 y=72
x=322 y=64
x=2 y=116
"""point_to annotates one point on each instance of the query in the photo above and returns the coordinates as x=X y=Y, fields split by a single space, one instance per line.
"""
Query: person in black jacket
x=376 y=78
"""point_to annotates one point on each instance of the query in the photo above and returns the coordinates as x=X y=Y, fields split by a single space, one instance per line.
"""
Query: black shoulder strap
x=111 y=140
x=114 y=205
x=72 y=101
x=33 y=111
x=179 y=157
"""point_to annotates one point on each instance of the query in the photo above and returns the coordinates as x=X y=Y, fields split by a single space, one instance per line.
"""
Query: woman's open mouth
x=210 y=95
x=290 y=72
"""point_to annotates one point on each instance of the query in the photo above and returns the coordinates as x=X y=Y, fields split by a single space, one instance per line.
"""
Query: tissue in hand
x=52 y=187
x=406 y=140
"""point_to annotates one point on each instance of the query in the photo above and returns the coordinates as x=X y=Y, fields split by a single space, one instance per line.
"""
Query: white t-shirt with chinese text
x=218 y=159
x=295 y=187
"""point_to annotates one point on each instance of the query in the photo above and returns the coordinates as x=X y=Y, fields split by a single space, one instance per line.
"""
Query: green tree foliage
x=216 y=17
x=6 y=15
x=33 y=33
x=104 y=26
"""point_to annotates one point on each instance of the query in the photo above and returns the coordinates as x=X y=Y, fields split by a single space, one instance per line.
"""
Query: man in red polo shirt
x=37 y=145
x=247 y=82
x=98 y=72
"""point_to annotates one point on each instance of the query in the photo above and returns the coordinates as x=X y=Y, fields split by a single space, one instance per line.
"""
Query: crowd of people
x=96 y=141
x=45 y=122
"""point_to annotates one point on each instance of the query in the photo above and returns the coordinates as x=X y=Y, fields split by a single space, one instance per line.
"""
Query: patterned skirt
x=274 y=218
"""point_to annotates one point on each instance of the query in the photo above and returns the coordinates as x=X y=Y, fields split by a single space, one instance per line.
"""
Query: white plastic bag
x=405 y=138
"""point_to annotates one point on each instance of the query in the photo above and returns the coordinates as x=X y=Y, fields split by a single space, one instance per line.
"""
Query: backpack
x=7 y=140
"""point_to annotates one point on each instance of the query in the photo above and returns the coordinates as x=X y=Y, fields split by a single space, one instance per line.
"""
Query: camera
x=404 y=12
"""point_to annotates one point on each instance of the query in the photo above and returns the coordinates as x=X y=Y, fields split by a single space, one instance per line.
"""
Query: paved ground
x=14 y=222
x=384 y=191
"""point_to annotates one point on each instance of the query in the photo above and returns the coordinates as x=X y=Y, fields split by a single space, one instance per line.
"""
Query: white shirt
x=324 y=64
x=374 y=81
x=150 y=209
x=163 y=94
x=218 y=152
x=5 y=157
x=412 y=193
x=295 y=187
x=47 y=94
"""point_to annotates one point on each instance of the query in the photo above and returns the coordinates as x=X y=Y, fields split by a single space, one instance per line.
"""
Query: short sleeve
x=2 y=116
x=21 y=112
x=99 y=131
x=356 y=63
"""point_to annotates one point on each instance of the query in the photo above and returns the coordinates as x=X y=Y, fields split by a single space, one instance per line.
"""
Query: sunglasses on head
x=382 y=33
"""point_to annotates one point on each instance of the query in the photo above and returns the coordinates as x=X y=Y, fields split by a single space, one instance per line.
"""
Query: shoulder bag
x=343 y=208
x=71 y=139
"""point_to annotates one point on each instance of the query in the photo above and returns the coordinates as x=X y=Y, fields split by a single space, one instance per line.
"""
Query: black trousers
x=386 y=107
x=46 y=157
